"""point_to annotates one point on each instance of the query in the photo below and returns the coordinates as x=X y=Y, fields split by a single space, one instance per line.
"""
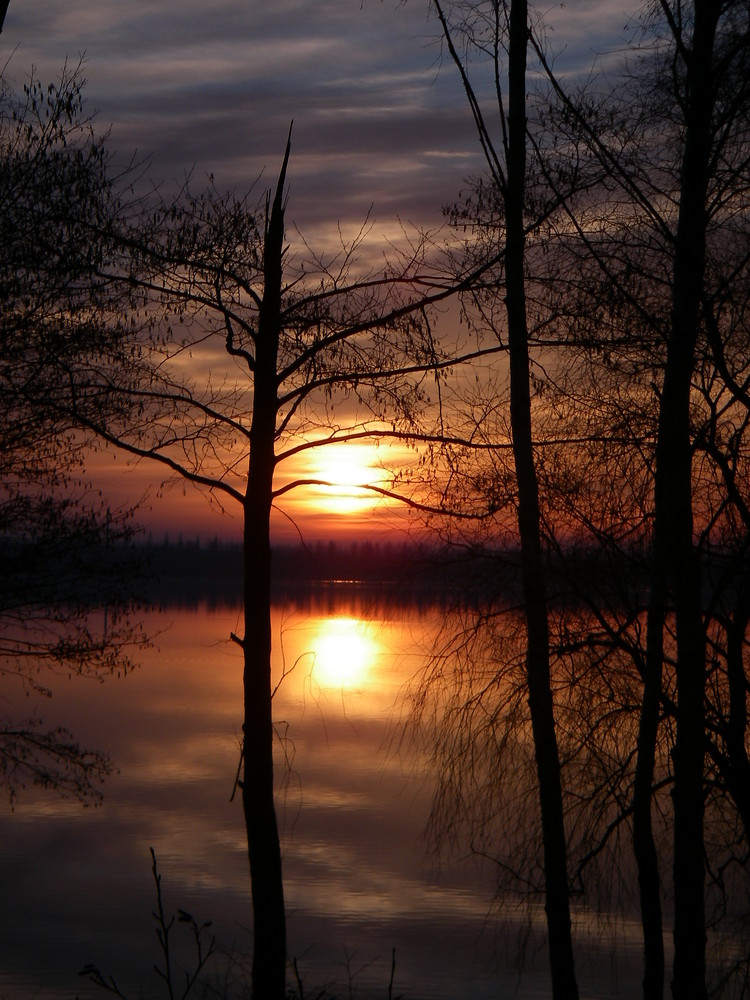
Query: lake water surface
x=353 y=803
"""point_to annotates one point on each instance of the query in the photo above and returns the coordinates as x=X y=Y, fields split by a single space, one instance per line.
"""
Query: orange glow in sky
x=335 y=500
x=342 y=509
x=348 y=468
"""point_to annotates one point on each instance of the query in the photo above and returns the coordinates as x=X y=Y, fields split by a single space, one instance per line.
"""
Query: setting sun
x=340 y=482
x=348 y=468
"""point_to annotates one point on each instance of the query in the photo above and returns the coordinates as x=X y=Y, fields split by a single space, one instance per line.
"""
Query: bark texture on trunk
x=557 y=904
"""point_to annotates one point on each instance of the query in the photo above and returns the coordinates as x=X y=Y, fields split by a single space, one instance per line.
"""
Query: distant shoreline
x=406 y=571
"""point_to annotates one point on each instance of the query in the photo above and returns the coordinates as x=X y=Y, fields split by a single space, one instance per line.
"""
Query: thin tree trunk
x=674 y=510
x=643 y=835
x=738 y=778
x=564 y=986
x=264 y=851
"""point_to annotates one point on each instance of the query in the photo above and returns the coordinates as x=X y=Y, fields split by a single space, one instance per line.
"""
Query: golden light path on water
x=352 y=805
x=347 y=662
x=345 y=652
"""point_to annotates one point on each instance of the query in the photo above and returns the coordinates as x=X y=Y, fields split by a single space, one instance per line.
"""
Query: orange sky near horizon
x=345 y=510
x=382 y=131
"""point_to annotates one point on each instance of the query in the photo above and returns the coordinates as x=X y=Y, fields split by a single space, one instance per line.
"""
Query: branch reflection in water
x=76 y=883
x=358 y=879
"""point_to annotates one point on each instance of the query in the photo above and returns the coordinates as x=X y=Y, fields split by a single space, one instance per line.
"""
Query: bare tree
x=620 y=166
x=57 y=540
x=680 y=195
x=502 y=30
x=242 y=355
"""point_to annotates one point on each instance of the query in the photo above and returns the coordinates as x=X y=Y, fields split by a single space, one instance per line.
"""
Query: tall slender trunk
x=557 y=905
x=674 y=515
x=738 y=776
x=264 y=850
x=643 y=835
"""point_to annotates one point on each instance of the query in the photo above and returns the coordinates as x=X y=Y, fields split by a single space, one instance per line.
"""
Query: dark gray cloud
x=212 y=87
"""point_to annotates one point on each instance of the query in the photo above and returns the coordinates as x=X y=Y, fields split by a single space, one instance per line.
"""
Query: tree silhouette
x=693 y=258
x=503 y=30
x=237 y=356
x=57 y=539
x=609 y=197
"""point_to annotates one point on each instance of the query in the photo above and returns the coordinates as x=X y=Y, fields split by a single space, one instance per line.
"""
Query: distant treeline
x=399 y=571
x=67 y=570
x=81 y=570
x=192 y=571
x=71 y=568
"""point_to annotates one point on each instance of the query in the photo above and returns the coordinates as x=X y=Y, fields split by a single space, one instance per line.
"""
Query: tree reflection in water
x=357 y=872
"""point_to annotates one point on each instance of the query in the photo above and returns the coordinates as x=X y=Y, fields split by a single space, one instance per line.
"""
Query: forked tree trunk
x=557 y=905
x=269 y=917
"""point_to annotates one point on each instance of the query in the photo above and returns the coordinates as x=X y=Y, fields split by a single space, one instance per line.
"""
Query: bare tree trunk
x=738 y=779
x=269 y=921
x=643 y=834
x=269 y=917
x=673 y=509
x=564 y=986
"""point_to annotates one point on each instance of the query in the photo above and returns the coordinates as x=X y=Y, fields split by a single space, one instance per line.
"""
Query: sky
x=380 y=121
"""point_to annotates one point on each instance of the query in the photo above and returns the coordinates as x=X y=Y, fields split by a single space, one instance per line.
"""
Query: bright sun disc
x=347 y=469
x=344 y=653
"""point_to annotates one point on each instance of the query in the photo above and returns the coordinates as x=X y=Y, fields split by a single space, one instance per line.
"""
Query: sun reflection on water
x=345 y=652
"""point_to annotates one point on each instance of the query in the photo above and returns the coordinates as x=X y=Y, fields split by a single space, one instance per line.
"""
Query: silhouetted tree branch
x=59 y=543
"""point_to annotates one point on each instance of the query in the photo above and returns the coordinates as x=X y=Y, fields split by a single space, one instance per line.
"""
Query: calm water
x=76 y=882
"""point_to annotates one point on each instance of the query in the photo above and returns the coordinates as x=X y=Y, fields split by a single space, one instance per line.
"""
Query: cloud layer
x=381 y=123
x=212 y=87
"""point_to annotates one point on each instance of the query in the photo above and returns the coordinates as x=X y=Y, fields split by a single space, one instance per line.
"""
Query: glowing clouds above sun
x=350 y=472
x=341 y=483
